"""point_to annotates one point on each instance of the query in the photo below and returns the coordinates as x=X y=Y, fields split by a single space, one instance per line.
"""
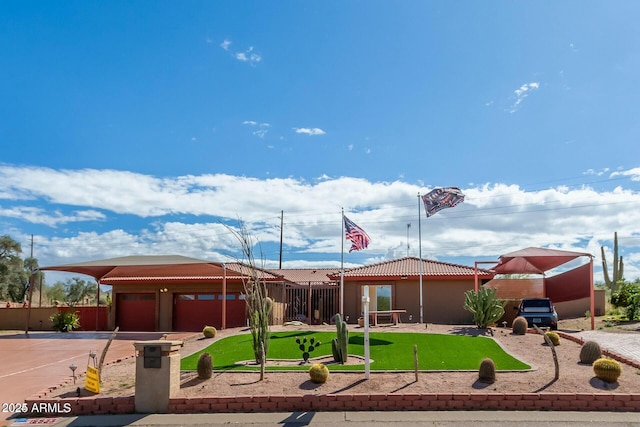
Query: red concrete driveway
x=31 y=363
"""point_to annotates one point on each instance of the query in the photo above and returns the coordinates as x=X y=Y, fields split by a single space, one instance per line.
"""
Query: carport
x=152 y=270
x=540 y=260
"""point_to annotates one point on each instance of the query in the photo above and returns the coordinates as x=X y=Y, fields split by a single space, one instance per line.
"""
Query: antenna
x=408 y=227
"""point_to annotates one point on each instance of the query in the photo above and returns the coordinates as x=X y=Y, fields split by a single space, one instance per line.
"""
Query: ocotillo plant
x=340 y=344
x=618 y=267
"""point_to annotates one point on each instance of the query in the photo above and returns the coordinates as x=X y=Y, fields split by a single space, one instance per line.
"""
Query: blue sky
x=141 y=128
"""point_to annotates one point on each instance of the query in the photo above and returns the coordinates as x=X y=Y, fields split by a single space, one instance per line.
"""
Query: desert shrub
x=205 y=366
x=484 y=305
x=487 y=371
x=65 y=321
x=628 y=297
x=554 y=337
x=209 y=332
x=520 y=325
x=590 y=352
x=319 y=373
x=607 y=370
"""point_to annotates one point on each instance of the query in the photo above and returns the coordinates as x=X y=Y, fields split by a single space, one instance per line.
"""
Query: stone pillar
x=157 y=374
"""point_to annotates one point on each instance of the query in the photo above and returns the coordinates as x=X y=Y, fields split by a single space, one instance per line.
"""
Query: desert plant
x=607 y=370
x=205 y=366
x=590 y=352
x=259 y=305
x=319 y=373
x=627 y=297
x=487 y=371
x=613 y=282
x=65 y=321
x=307 y=349
x=520 y=325
x=484 y=305
x=339 y=345
x=209 y=332
x=553 y=337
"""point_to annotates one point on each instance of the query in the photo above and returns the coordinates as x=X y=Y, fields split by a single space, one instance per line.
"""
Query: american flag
x=441 y=198
x=359 y=238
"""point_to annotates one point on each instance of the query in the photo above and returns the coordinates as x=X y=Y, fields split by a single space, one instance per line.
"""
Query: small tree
x=484 y=305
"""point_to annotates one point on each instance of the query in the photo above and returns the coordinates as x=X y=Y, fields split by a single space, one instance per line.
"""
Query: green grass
x=390 y=351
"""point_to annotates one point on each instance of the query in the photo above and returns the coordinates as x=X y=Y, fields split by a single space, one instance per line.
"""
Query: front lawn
x=390 y=351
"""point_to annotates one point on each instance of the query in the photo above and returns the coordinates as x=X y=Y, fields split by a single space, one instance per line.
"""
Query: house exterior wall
x=443 y=300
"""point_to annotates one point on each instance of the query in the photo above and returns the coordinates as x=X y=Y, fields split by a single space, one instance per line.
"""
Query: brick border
x=362 y=402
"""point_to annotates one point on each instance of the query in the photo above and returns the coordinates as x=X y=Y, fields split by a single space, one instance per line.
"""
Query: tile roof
x=315 y=276
x=410 y=267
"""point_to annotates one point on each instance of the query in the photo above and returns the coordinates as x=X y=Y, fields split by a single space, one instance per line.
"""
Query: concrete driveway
x=32 y=363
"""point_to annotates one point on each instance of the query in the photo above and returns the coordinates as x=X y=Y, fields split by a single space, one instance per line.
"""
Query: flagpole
x=342 y=267
x=420 y=256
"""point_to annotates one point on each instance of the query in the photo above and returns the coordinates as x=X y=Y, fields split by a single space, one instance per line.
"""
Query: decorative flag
x=441 y=198
x=359 y=238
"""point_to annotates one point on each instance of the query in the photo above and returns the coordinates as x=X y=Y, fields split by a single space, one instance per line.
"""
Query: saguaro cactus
x=340 y=344
x=618 y=266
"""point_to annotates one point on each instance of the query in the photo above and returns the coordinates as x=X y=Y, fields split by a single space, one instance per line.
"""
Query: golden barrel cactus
x=606 y=369
x=209 y=332
x=590 y=352
x=554 y=337
x=520 y=325
x=319 y=373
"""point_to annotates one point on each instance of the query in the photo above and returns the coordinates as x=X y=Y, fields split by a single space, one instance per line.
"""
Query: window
x=186 y=297
x=380 y=297
x=206 y=297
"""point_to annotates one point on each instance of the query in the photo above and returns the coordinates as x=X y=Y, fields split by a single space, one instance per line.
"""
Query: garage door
x=194 y=311
x=136 y=312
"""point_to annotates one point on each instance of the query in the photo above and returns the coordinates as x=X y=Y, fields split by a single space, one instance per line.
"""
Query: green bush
x=628 y=297
x=65 y=321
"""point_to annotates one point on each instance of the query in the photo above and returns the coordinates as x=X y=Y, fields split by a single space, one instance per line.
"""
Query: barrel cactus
x=590 y=352
x=487 y=371
x=554 y=337
x=520 y=325
x=319 y=373
x=205 y=366
x=209 y=332
x=607 y=370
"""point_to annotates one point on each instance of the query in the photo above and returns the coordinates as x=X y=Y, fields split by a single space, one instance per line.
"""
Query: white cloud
x=309 y=131
x=494 y=218
x=350 y=147
x=634 y=174
x=225 y=44
x=521 y=93
x=36 y=215
x=263 y=128
x=247 y=55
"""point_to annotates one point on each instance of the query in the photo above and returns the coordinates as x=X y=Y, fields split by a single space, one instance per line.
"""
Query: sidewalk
x=357 y=419
x=624 y=344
